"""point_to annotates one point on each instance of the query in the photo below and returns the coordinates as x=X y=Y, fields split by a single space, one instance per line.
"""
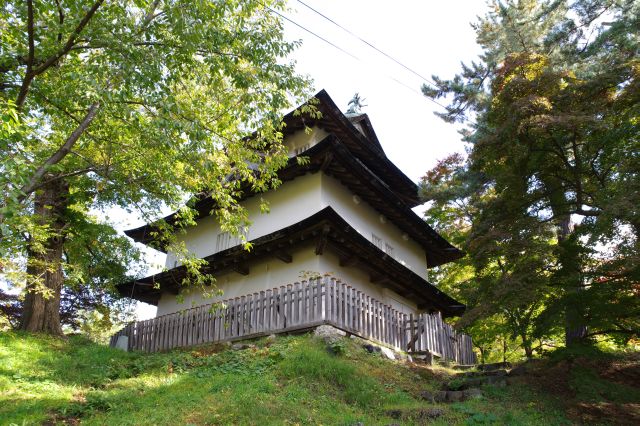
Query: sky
x=429 y=37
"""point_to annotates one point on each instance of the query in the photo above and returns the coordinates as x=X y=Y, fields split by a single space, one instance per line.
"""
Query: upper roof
x=356 y=159
x=363 y=145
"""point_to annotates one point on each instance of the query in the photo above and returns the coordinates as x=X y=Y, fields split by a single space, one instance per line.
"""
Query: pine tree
x=554 y=140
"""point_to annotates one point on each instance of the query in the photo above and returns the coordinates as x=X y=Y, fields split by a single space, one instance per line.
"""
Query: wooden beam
x=378 y=279
x=327 y=161
x=322 y=241
x=285 y=257
x=241 y=269
x=349 y=260
x=428 y=307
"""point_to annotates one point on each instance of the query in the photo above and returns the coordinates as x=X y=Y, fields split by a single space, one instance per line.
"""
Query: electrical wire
x=335 y=46
x=428 y=80
x=312 y=33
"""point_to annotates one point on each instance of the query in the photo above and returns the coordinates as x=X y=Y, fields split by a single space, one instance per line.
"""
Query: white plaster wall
x=263 y=275
x=292 y=202
x=271 y=273
x=356 y=278
x=366 y=220
x=298 y=199
x=302 y=140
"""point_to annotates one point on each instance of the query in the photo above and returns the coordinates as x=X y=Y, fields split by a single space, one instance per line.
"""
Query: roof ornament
x=356 y=104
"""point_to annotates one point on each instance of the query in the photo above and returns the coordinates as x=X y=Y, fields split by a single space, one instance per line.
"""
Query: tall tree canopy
x=550 y=188
x=132 y=104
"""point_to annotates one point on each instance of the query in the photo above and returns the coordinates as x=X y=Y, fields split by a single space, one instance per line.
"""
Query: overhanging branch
x=62 y=152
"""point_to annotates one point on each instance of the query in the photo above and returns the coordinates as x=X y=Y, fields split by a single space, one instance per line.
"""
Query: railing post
x=358 y=312
x=316 y=299
x=348 y=307
x=326 y=299
x=412 y=333
x=289 y=310
x=338 y=302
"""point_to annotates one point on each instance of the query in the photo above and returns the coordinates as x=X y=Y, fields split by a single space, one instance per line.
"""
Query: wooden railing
x=300 y=306
x=430 y=333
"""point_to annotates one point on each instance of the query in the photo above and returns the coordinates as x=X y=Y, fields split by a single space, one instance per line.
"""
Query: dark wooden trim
x=360 y=180
x=322 y=240
x=328 y=158
x=332 y=233
x=283 y=256
x=242 y=269
x=378 y=279
x=366 y=148
x=350 y=260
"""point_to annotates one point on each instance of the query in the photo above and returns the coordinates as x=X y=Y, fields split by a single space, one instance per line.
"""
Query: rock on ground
x=328 y=332
x=388 y=353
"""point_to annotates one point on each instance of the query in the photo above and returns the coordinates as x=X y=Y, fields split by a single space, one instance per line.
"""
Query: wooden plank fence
x=300 y=306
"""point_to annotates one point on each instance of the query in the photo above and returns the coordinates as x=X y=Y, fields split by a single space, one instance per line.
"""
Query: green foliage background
x=137 y=105
x=546 y=200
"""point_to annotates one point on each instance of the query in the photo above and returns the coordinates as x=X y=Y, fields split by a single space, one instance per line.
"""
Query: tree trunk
x=504 y=349
x=481 y=349
x=527 y=346
x=41 y=311
x=575 y=328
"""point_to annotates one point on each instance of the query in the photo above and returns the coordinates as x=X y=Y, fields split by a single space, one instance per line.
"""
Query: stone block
x=455 y=396
x=427 y=396
x=388 y=353
x=472 y=393
x=122 y=343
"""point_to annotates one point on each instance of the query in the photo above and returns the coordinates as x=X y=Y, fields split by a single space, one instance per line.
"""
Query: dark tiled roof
x=327 y=231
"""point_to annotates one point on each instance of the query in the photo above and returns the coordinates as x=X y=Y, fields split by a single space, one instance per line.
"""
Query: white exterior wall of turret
x=266 y=274
x=292 y=202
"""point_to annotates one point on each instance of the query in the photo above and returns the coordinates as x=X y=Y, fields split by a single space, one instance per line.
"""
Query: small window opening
x=377 y=241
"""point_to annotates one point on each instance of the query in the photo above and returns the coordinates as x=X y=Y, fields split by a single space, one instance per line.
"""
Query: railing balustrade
x=300 y=306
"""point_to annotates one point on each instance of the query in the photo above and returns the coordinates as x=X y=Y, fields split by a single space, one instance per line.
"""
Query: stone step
x=420 y=415
x=451 y=395
x=466 y=374
x=494 y=366
x=474 y=382
x=463 y=367
x=484 y=367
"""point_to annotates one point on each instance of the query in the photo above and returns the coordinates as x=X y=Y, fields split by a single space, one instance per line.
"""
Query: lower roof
x=328 y=231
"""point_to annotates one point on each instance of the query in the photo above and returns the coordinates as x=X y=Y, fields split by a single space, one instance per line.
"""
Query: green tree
x=554 y=102
x=130 y=104
x=503 y=279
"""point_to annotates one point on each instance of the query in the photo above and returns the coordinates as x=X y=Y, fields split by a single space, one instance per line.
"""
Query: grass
x=293 y=381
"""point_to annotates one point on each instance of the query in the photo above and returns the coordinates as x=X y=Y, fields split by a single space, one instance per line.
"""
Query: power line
x=357 y=58
x=311 y=32
x=428 y=80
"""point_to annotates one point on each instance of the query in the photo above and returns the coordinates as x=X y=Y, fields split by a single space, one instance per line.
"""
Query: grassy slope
x=294 y=381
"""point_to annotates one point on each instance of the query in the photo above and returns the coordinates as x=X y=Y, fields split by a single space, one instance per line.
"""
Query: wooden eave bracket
x=378 y=279
x=349 y=260
x=283 y=256
x=242 y=269
x=322 y=241
x=327 y=161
